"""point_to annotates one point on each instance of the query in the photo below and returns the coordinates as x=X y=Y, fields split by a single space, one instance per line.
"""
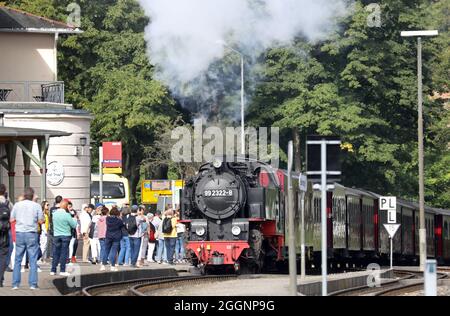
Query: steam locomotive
x=237 y=219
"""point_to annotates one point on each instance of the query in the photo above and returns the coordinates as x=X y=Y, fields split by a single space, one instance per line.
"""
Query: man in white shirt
x=85 y=224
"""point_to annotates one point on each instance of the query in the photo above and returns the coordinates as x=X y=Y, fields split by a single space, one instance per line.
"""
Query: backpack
x=131 y=225
x=50 y=220
x=91 y=230
x=5 y=214
x=152 y=230
x=167 y=225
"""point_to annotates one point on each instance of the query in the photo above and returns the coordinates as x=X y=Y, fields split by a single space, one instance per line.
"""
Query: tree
x=107 y=72
x=360 y=84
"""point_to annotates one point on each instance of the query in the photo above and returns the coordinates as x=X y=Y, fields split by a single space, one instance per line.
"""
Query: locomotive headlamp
x=236 y=230
x=200 y=231
x=217 y=163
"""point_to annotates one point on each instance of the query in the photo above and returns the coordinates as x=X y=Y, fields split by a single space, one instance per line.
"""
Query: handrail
x=34 y=91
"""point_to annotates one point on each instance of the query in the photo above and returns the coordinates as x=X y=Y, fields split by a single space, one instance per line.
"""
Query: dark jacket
x=124 y=228
x=114 y=228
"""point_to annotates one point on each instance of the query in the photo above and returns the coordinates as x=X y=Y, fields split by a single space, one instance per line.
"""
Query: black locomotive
x=225 y=206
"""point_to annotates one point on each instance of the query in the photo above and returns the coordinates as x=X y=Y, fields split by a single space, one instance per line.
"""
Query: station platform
x=84 y=274
x=312 y=285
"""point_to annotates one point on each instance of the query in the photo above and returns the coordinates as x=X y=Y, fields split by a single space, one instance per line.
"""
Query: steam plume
x=184 y=36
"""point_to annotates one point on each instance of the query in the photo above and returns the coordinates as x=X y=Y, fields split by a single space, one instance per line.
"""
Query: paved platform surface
x=47 y=288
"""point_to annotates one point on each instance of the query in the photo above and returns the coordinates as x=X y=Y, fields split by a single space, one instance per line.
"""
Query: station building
x=37 y=126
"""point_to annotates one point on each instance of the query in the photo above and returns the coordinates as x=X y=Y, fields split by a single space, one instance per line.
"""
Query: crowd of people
x=32 y=234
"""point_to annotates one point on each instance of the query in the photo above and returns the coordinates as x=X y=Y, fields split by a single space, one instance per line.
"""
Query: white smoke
x=184 y=36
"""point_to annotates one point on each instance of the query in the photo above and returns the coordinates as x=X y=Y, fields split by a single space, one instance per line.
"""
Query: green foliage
x=361 y=84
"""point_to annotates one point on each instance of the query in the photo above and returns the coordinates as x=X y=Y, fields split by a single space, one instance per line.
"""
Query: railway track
x=392 y=287
x=142 y=287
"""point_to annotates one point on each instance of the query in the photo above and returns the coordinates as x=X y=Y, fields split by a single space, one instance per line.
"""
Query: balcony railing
x=32 y=91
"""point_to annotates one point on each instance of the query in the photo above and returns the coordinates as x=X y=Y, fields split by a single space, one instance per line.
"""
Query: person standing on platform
x=151 y=238
x=43 y=238
x=55 y=206
x=85 y=224
x=161 y=254
x=101 y=227
x=179 y=246
x=125 y=253
x=133 y=224
x=114 y=225
x=143 y=232
x=93 y=237
x=73 y=246
x=5 y=232
x=63 y=223
x=169 y=229
x=27 y=215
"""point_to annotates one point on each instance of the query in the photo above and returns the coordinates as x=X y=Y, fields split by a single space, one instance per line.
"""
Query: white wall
x=76 y=183
x=27 y=57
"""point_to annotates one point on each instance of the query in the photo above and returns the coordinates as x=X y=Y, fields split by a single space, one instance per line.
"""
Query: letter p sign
x=389 y=204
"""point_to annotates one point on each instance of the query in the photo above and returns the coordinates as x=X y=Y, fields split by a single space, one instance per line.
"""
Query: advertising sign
x=112 y=157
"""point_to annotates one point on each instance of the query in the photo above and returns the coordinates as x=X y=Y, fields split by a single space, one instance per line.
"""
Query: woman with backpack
x=101 y=227
x=151 y=238
x=169 y=229
x=125 y=250
x=114 y=225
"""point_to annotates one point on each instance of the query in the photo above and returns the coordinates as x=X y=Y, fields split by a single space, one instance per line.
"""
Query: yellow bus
x=116 y=190
x=162 y=193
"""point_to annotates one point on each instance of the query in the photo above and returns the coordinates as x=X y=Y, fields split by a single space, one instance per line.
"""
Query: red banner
x=112 y=155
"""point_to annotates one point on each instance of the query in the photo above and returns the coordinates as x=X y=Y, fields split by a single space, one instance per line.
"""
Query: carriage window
x=445 y=229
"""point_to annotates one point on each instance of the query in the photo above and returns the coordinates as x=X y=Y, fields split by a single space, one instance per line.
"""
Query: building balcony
x=32 y=91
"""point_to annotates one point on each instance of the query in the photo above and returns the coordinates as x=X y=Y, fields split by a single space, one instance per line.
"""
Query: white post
x=302 y=236
x=292 y=252
x=392 y=260
x=100 y=167
x=422 y=229
x=242 y=107
x=324 y=216
x=430 y=277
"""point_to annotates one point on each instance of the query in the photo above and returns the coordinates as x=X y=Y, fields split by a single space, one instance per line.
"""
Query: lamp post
x=422 y=230
x=242 y=93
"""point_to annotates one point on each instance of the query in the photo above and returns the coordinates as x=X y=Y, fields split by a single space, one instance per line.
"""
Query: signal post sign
x=389 y=204
x=112 y=157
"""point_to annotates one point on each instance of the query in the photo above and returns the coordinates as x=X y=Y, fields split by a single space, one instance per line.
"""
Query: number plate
x=218 y=193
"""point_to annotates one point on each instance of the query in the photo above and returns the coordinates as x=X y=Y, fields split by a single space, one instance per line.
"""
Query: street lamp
x=422 y=230
x=242 y=93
